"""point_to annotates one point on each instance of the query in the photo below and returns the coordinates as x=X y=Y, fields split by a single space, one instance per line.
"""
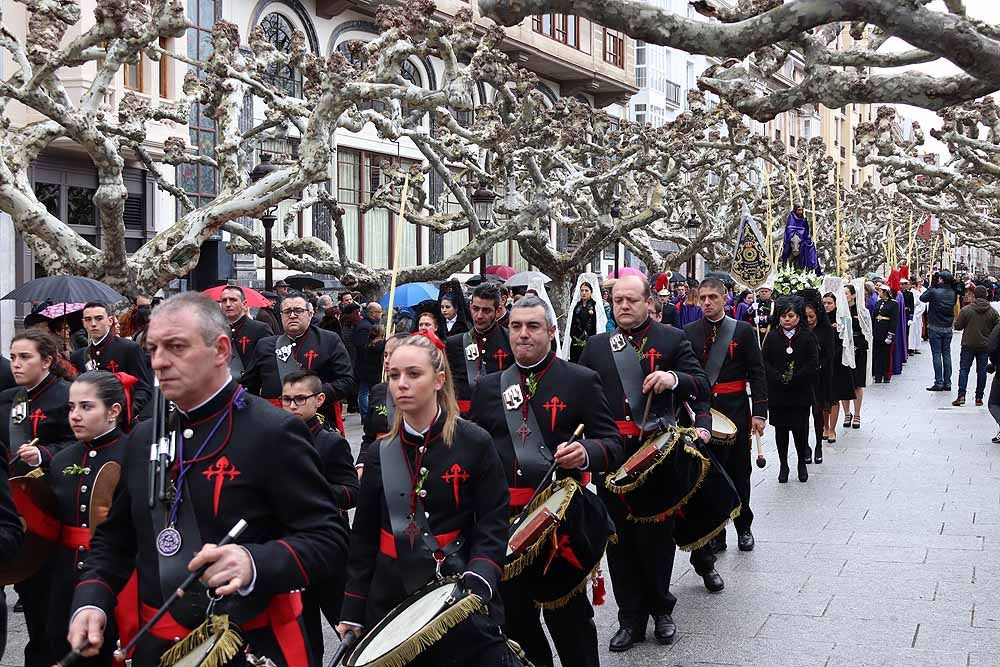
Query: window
x=614 y=48
x=199 y=181
x=278 y=31
x=133 y=75
x=164 y=66
x=560 y=27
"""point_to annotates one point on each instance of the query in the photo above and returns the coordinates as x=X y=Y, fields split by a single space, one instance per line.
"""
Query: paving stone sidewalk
x=888 y=556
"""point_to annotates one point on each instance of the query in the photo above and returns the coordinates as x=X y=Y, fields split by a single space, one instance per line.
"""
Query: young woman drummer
x=456 y=498
x=791 y=361
x=79 y=479
x=34 y=426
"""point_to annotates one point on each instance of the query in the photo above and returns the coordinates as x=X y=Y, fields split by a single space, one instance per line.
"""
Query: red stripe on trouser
x=387 y=543
x=282 y=616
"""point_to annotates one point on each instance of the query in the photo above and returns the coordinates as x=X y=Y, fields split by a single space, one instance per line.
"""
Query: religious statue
x=799 y=250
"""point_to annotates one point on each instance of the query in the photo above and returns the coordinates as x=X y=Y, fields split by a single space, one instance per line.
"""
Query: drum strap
x=717 y=356
x=236 y=364
x=470 y=348
x=20 y=425
x=533 y=456
x=629 y=373
x=414 y=550
x=283 y=357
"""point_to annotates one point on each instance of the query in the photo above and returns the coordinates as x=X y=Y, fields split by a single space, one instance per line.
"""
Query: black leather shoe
x=808 y=458
x=664 y=629
x=803 y=472
x=818 y=453
x=746 y=541
x=783 y=474
x=625 y=638
x=713 y=581
x=935 y=387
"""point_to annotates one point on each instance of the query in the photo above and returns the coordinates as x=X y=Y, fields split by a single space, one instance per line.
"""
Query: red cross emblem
x=36 y=417
x=310 y=355
x=243 y=343
x=455 y=476
x=652 y=355
x=500 y=356
x=561 y=549
x=554 y=406
x=221 y=471
x=113 y=366
x=732 y=348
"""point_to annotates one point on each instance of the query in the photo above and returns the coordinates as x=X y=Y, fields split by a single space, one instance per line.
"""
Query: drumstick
x=645 y=417
x=761 y=461
x=345 y=645
x=547 y=478
x=230 y=537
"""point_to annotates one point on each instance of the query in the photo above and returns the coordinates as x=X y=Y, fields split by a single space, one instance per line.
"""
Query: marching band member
x=484 y=349
x=246 y=331
x=35 y=409
x=549 y=397
x=642 y=560
x=78 y=479
x=237 y=457
x=302 y=346
x=731 y=357
x=106 y=351
x=759 y=313
x=453 y=506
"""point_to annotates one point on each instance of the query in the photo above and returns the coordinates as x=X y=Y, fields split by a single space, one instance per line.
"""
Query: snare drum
x=660 y=477
x=723 y=429
x=415 y=624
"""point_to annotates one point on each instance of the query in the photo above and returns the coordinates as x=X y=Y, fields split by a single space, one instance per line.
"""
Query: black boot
x=818 y=453
x=783 y=460
x=803 y=471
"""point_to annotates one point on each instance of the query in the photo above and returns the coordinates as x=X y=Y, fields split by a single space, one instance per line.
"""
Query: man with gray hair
x=237 y=457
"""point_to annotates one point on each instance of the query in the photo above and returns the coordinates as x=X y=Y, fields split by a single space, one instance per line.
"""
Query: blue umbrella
x=410 y=294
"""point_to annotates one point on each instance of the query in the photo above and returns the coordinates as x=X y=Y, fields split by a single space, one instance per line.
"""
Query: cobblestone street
x=887 y=556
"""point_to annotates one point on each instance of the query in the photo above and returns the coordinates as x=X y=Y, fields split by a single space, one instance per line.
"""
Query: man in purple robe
x=798 y=248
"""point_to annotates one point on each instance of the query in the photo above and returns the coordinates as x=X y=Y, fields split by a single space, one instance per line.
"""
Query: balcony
x=673 y=93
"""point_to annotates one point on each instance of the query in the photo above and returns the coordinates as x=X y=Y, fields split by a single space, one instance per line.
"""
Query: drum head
x=723 y=428
x=414 y=624
x=714 y=504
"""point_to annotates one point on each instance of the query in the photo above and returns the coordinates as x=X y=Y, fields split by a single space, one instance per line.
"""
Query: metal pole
x=268 y=277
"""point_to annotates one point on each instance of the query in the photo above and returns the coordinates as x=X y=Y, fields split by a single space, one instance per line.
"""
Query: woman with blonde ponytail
x=454 y=499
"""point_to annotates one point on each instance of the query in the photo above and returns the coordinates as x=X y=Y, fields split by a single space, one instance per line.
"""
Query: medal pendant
x=168 y=542
x=788 y=350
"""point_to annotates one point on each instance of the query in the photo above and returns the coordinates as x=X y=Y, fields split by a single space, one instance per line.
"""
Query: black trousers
x=34 y=595
x=325 y=598
x=572 y=627
x=799 y=433
x=881 y=360
x=640 y=565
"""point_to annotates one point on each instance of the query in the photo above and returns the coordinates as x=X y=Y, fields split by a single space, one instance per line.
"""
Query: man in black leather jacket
x=940 y=300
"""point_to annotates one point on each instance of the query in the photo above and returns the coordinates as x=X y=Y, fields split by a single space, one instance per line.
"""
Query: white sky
x=985 y=10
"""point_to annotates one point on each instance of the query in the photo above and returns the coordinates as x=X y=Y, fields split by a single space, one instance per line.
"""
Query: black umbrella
x=64 y=289
x=304 y=281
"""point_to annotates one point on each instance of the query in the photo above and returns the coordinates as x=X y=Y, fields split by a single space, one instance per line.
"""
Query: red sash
x=628 y=428
x=387 y=543
x=734 y=387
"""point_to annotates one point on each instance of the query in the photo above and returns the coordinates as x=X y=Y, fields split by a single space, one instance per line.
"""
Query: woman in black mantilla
x=858 y=318
x=842 y=383
x=820 y=327
x=791 y=361
x=456 y=481
x=36 y=408
x=96 y=405
x=427 y=317
x=584 y=322
x=454 y=308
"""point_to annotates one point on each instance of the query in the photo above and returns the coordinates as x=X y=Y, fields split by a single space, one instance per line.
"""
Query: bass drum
x=713 y=505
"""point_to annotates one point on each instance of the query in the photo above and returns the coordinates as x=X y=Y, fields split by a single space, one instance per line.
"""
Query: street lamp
x=482 y=202
x=262 y=170
x=616 y=212
x=691 y=226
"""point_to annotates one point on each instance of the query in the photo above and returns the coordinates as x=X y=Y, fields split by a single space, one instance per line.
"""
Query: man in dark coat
x=561 y=396
x=642 y=560
x=238 y=458
x=731 y=358
x=485 y=349
x=245 y=330
x=302 y=347
x=108 y=352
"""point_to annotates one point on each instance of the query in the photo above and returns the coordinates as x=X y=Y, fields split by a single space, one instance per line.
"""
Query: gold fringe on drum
x=708 y=538
x=225 y=642
x=520 y=563
x=431 y=633
x=660 y=516
x=565 y=600
x=621 y=489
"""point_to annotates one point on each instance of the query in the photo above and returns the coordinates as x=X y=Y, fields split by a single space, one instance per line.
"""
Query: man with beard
x=485 y=349
x=245 y=331
x=643 y=357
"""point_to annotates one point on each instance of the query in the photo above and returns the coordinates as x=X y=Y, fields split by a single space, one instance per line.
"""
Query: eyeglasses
x=293 y=312
x=298 y=401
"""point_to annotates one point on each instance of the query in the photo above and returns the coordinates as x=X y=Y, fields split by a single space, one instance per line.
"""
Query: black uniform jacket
x=245 y=332
x=48 y=419
x=11 y=532
x=260 y=465
x=336 y=463
x=664 y=348
x=798 y=368
x=494 y=355
x=885 y=320
x=466 y=498
x=376 y=423
x=567 y=395
x=317 y=350
x=741 y=365
x=6 y=377
x=119 y=355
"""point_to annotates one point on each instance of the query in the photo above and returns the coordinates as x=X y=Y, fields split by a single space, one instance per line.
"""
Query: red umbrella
x=626 y=271
x=500 y=271
x=254 y=298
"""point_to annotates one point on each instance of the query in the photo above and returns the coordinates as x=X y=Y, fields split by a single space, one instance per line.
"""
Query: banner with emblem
x=751 y=264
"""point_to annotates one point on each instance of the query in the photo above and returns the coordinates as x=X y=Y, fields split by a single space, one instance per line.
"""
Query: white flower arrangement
x=790 y=281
